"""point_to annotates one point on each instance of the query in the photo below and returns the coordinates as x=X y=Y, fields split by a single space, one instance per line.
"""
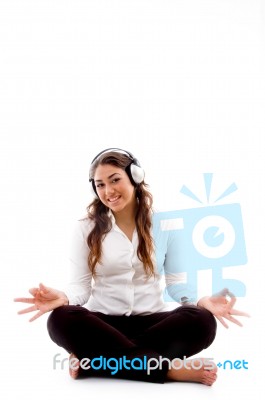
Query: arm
x=182 y=290
x=78 y=289
x=179 y=284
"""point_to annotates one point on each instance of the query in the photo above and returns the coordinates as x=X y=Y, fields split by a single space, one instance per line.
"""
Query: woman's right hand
x=44 y=299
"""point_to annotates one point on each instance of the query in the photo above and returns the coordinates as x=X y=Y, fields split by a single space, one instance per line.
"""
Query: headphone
x=134 y=170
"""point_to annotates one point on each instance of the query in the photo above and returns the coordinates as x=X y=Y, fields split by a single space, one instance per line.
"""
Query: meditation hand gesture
x=44 y=299
x=221 y=307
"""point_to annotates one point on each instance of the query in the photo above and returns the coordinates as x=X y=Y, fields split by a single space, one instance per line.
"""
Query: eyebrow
x=109 y=177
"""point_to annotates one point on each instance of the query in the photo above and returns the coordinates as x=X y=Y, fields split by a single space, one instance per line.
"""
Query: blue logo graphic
x=191 y=240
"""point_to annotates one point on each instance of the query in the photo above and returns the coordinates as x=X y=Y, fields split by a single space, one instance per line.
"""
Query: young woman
x=112 y=315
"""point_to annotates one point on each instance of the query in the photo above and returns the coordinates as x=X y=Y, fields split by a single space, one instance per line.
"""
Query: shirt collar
x=112 y=218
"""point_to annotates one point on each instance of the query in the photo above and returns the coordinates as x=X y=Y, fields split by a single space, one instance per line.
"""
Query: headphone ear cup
x=137 y=173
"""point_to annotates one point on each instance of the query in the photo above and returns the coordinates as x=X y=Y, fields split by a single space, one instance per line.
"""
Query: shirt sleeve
x=78 y=289
x=179 y=285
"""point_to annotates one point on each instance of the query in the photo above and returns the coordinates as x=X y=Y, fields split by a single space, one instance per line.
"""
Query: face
x=114 y=188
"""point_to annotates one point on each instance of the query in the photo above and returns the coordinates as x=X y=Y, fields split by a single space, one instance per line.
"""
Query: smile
x=112 y=200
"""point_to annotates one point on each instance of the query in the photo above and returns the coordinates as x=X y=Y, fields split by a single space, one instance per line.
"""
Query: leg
x=84 y=333
x=181 y=333
x=87 y=335
x=184 y=331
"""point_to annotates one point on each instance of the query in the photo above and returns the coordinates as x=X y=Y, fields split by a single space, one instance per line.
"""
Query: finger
x=33 y=291
x=237 y=312
x=222 y=292
x=43 y=288
x=231 y=302
x=27 y=310
x=222 y=321
x=234 y=320
x=39 y=314
x=230 y=294
x=24 y=300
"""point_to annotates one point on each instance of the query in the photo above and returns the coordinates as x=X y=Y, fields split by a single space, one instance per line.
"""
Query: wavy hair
x=99 y=214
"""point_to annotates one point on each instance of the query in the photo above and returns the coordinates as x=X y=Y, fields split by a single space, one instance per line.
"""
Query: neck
x=126 y=222
x=125 y=217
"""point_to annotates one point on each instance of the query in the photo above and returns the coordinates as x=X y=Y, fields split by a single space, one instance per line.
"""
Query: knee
x=207 y=324
x=207 y=317
x=64 y=316
x=56 y=318
x=202 y=321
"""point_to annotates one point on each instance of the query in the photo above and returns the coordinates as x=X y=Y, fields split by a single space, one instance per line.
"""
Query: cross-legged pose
x=112 y=318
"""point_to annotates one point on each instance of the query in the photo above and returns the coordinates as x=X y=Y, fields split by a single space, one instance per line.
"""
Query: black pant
x=182 y=332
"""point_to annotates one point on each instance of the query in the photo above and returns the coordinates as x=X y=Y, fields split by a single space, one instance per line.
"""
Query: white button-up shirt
x=120 y=285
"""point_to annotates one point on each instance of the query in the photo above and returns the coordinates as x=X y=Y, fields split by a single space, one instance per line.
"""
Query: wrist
x=64 y=298
x=201 y=302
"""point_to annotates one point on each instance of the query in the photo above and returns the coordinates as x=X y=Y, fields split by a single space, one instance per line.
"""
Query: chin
x=116 y=209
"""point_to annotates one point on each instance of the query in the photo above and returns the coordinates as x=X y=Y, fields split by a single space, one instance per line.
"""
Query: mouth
x=114 y=199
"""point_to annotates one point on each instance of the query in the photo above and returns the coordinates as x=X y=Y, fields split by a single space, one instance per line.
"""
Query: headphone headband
x=114 y=149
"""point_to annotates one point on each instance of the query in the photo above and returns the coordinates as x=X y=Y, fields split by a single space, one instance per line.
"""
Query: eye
x=115 y=180
x=99 y=185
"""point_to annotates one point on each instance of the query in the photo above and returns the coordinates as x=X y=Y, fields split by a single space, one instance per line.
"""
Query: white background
x=179 y=83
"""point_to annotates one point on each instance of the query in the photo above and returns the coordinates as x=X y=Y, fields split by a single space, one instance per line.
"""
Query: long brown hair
x=98 y=213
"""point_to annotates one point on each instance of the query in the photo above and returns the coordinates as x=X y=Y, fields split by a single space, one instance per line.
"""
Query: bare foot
x=193 y=370
x=74 y=366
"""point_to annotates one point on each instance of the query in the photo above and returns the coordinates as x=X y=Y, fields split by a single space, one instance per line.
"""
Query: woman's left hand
x=222 y=307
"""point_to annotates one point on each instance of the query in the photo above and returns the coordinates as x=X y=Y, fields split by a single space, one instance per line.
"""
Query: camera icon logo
x=213 y=236
x=191 y=240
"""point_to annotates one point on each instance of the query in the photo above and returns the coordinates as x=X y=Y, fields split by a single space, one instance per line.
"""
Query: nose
x=108 y=190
